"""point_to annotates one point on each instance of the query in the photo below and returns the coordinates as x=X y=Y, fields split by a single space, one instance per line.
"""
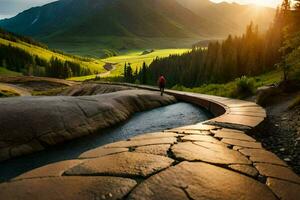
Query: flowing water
x=158 y=119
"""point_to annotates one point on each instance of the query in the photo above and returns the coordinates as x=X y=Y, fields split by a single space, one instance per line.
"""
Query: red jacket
x=162 y=81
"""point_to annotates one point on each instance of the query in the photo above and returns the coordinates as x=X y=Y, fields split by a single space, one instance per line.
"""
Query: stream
x=167 y=117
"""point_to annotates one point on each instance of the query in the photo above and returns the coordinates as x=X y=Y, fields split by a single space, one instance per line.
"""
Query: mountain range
x=82 y=26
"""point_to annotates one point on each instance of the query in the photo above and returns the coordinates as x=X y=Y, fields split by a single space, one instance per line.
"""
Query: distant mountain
x=232 y=15
x=123 y=24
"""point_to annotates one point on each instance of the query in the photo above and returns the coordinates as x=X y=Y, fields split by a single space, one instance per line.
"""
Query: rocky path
x=109 y=67
x=217 y=159
x=195 y=162
x=281 y=131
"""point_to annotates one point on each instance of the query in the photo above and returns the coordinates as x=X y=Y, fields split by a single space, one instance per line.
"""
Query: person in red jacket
x=161 y=84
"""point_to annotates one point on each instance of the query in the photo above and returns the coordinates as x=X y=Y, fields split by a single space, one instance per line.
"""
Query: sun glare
x=269 y=3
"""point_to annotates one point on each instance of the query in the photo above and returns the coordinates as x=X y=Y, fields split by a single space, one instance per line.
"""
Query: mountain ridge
x=124 y=24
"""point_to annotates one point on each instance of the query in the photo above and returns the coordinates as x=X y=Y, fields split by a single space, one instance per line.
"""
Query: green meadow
x=135 y=58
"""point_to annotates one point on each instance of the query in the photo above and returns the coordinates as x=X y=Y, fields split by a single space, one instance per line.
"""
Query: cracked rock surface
x=170 y=169
x=127 y=164
x=200 y=181
x=62 y=188
x=208 y=152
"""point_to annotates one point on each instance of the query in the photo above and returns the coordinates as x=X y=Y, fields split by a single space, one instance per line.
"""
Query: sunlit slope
x=136 y=60
x=92 y=64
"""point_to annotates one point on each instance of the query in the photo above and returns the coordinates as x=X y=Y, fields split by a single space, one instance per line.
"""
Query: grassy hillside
x=94 y=65
x=6 y=72
x=230 y=89
x=96 y=47
x=109 y=67
x=135 y=58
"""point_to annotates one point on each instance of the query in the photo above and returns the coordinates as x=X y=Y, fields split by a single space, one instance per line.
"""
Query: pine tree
x=135 y=76
x=125 y=72
x=129 y=75
x=144 y=73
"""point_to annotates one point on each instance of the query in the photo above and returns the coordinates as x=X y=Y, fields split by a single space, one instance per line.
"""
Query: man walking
x=161 y=84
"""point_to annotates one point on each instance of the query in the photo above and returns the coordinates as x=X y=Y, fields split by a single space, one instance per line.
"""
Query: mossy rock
x=265 y=94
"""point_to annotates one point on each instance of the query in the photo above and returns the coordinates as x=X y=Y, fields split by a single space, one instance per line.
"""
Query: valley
x=136 y=58
x=96 y=66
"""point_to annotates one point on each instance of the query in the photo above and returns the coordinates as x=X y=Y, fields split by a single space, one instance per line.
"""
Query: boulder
x=265 y=94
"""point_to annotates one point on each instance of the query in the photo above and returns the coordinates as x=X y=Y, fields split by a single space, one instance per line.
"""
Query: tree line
x=290 y=49
x=15 y=38
x=251 y=54
x=19 y=60
x=140 y=76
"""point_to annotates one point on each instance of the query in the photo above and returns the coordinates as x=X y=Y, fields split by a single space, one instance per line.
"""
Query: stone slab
x=161 y=149
x=138 y=143
x=262 y=156
x=203 y=138
x=155 y=136
x=231 y=130
x=283 y=189
x=233 y=135
x=245 y=169
x=236 y=148
x=250 y=114
x=251 y=109
x=239 y=119
x=127 y=164
x=193 y=132
x=200 y=181
x=200 y=127
x=276 y=171
x=51 y=170
x=99 y=152
x=254 y=145
x=67 y=188
x=208 y=152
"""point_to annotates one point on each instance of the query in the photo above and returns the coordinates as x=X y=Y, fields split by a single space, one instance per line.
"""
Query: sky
x=10 y=8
